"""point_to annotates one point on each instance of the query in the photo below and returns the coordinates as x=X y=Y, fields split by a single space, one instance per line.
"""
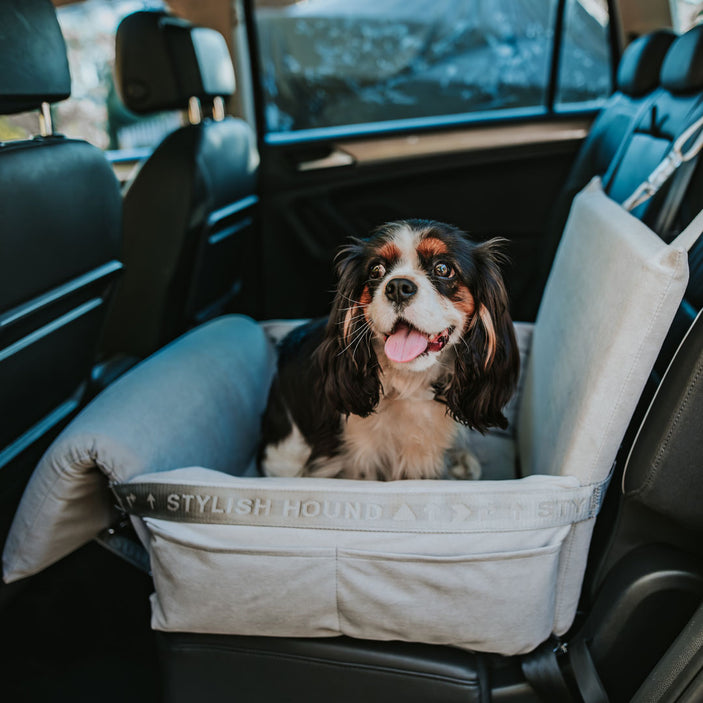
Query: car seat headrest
x=32 y=55
x=641 y=62
x=162 y=61
x=682 y=70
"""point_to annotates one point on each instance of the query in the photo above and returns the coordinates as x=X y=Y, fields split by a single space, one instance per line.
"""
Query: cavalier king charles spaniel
x=419 y=342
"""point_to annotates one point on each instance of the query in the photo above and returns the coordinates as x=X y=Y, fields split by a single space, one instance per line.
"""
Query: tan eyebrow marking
x=390 y=252
x=431 y=246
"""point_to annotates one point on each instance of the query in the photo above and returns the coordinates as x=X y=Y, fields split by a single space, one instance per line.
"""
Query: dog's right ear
x=349 y=370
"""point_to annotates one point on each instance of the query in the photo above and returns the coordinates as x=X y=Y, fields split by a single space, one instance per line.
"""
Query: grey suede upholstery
x=197 y=401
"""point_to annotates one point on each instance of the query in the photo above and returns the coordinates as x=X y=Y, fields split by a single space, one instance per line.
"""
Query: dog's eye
x=443 y=270
x=377 y=271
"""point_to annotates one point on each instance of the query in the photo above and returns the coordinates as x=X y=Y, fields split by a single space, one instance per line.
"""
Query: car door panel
x=488 y=180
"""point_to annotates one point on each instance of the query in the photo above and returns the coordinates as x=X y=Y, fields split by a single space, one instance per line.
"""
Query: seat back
x=189 y=212
x=59 y=249
x=637 y=79
x=674 y=106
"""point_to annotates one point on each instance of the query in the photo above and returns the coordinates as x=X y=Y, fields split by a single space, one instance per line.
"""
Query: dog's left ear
x=488 y=362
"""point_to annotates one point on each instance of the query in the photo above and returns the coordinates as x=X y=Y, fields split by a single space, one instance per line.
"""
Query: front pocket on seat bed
x=246 y=591
x=498 y=602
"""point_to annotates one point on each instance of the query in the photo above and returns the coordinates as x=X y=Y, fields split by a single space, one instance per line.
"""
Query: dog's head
x=420 y=297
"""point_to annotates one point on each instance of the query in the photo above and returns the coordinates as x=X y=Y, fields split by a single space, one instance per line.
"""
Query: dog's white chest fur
x=406 y=437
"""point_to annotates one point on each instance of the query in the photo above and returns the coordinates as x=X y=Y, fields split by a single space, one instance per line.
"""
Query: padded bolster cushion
x=32 y=55
x=641 y=62
x=682 y=70
x=188 y=404
x=664 y=464
x=162 y=61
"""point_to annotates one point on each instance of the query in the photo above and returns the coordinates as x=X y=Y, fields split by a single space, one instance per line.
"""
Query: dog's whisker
x=353 y=339
x=359 y=334
x=362 y=337
x=352 y=307
x=353 y=318
x=346 y=297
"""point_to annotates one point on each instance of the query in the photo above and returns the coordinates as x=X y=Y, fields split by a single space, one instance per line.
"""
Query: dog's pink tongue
x=405 y=344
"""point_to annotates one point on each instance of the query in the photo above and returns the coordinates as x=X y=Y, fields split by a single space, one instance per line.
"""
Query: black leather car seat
x=637 y=78
x=59 y=250
x=676 y=104
x=190 y=208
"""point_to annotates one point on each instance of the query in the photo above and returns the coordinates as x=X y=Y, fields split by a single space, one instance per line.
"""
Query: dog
x=419 y=341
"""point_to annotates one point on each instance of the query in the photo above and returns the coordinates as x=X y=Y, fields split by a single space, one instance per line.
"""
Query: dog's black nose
x=400 y=290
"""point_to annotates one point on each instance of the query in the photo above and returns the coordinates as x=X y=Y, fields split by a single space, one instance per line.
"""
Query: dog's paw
x=463 y=465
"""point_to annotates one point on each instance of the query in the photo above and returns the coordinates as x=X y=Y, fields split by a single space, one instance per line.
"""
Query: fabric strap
x=689 y=236
x=396 y=512
x=664 y=222
x=684 y=148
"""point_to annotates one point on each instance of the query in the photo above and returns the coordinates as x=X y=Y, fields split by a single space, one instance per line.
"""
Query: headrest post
x=46 y=126
x=218 y=109
x=195 y=113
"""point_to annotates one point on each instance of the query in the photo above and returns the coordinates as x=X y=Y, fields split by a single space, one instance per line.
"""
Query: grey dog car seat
x=427 y=561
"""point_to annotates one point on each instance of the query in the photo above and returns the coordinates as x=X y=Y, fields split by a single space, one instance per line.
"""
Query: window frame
x=550 y=109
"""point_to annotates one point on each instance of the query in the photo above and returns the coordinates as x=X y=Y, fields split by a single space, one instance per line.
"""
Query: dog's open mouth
x=406 y=342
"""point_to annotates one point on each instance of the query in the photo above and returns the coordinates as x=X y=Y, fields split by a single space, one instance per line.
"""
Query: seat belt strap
x=542 y=671
x=587 y=680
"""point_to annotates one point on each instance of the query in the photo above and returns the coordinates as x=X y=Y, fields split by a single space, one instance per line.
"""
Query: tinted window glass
x=584 y=73
x=329 y=63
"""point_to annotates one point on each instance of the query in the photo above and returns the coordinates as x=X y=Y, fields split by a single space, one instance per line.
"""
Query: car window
x=329 y=63
x=94 y=111
x=585 y=54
